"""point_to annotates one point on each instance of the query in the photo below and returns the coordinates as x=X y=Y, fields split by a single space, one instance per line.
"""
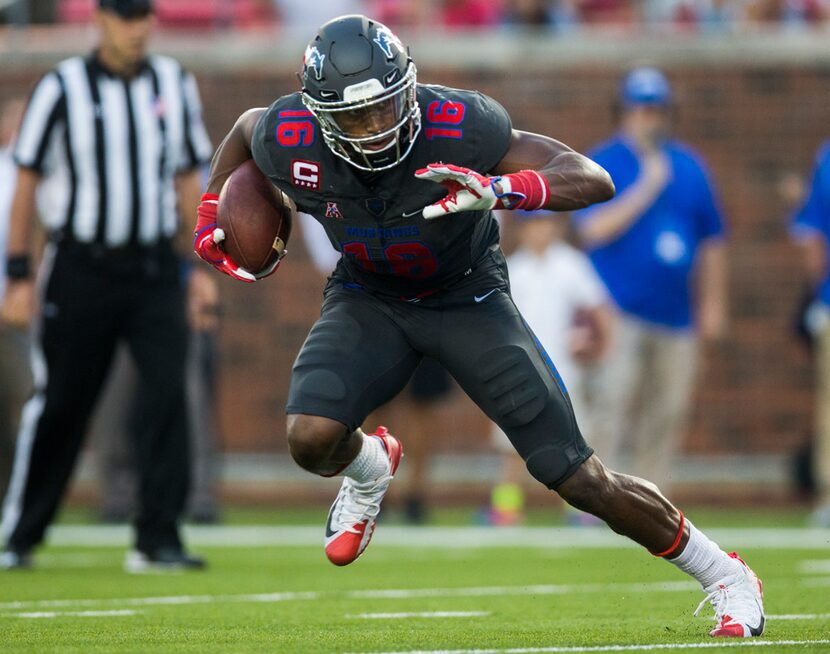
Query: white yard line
x=816 y=566
x=403 y=593
x=172 y=600
x=65 y=560
x=623 y=648
x=800 y=616
x=540 y=589
x=74 y=614
x=431 y=614
x=383 y=593
x=465 y=538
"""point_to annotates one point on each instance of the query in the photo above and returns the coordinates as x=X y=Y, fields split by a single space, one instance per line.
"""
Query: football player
x=404 y=178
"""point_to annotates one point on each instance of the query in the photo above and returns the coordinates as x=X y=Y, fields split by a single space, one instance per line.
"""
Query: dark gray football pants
x=364 y=348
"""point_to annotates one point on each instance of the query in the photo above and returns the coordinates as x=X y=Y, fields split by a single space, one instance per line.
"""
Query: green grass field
x=542 y=589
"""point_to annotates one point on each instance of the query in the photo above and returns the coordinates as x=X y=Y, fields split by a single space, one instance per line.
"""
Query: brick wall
x=753 y=125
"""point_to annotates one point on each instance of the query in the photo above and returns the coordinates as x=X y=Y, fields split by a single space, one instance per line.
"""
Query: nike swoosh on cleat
x=329 y=532
x=481 y=298
x=757 y=631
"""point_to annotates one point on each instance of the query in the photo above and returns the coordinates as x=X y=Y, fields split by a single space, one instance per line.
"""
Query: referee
x=116 y=136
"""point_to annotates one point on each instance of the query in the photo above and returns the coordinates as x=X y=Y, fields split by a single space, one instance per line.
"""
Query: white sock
x=704 y=560
x=371 y=462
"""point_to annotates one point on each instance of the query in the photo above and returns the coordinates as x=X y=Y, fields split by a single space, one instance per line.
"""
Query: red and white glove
x=208 y=237
x=471 y=191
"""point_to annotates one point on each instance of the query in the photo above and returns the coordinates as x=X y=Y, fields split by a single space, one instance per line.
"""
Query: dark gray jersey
x=375 y=220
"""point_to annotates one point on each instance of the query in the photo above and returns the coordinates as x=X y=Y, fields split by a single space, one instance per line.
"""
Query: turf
x=516 y=597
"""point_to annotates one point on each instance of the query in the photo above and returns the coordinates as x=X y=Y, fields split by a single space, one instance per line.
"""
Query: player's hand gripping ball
x=244 y=230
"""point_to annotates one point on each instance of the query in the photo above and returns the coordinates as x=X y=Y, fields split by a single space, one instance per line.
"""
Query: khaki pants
x=821 y=451
x=642 y=396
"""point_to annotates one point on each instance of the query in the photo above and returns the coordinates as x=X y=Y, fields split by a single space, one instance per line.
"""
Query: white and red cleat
x=738 y=603
x=352 y=517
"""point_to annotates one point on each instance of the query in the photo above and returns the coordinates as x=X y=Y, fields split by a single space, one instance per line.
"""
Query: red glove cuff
x=206 y=213
x=532 y=185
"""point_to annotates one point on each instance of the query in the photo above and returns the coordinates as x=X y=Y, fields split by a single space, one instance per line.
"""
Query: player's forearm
x=576 y=182
x=234 y=150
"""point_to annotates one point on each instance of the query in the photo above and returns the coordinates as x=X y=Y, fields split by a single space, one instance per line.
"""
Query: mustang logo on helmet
x=314 y=60
x=386 y=39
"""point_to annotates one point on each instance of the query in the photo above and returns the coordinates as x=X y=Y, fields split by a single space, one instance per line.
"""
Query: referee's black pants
x=92 y=299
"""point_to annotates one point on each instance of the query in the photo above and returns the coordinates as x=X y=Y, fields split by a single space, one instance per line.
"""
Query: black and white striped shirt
x=113 y=146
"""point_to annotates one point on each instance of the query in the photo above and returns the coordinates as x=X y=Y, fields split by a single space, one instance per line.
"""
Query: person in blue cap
x=659 y=247
x=811 y=229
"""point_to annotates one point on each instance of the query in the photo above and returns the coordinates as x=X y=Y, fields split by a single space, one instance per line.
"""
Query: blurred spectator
x=708 y=16
x=795 y=14
x=23 y=12
x=659 y=248
x=811 y=229
x=566 y=305
x=717 y=16
x=304 y=17
x=186 y=13
x=613 y=12
x=471 y=13
x=530 y=13
x=401 y=13
x=416 y=408
x=15 y=379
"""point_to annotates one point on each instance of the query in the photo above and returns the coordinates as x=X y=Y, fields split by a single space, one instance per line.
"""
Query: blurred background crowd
x=753 y=111
x=555 y=16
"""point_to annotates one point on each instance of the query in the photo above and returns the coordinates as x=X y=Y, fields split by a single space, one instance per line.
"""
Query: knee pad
x=551 y=465
x=328 y=342
x=516 y=390
x=533 y=410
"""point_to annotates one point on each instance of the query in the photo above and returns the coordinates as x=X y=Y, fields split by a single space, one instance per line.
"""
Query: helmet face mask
x=360 y=84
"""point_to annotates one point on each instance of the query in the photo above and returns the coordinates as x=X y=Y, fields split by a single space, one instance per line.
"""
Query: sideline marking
x=818 y=581
x=815 y=566
x=800 y=616
x=390 y=593
x=441 y=537
x=431 y=614
x=620 y=648
x=404 y=593
x=75 y=614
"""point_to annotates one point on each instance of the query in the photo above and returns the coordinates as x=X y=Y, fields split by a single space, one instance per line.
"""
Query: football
x=256 y=218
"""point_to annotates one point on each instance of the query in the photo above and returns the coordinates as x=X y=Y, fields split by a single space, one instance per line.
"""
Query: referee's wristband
x=19 y=267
